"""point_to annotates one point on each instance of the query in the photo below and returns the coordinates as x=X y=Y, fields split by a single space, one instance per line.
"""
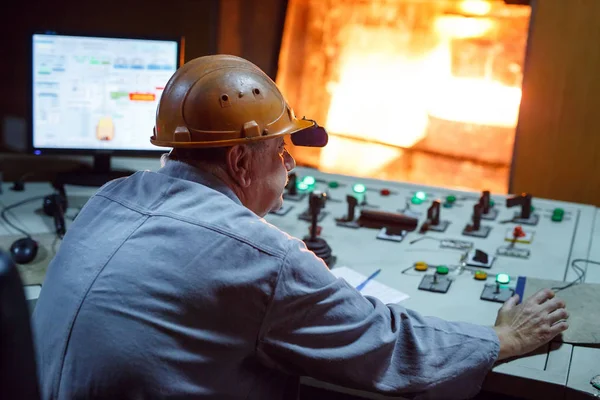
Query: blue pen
x=373 y=275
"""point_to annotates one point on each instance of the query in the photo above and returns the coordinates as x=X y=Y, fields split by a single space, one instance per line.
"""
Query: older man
x=171 y=284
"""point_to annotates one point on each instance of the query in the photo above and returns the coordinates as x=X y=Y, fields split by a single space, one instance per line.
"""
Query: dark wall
x=196 y=20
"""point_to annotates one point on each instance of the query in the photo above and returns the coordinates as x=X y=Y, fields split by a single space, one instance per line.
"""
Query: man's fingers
x=557 y=315
x=558 y=328
x=553 y=304
x=510 y=303
x=542 y=296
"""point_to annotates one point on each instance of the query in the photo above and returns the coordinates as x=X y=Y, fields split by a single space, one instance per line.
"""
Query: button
x=503 y=279
x=309 y=180
x=359 y=188
x=442 y=270
x=421 y=266
x=481 y=275
x=302 y=186
x=333 y=184
x=450 y=199
x=421 y=195
x=556 y=217
x=385 y=192
x=519 y=232
x=558 y=211
x=492 y=203
x=416 y=200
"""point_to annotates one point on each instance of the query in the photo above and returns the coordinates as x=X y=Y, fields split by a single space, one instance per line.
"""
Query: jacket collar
x=181 y=170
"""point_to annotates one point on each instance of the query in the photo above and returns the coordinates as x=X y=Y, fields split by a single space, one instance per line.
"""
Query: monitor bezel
x=39 y=151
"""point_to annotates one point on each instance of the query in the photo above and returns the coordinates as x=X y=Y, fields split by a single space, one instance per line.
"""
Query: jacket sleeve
x=319 y=326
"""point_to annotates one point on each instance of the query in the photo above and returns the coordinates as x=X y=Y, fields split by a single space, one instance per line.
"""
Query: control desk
x=456 y=254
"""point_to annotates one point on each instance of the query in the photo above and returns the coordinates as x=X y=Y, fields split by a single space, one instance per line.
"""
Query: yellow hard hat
x=223 y=100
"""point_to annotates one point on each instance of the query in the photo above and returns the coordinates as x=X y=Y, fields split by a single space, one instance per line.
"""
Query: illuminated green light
x=302 y=186
x=450 y=199
x=421 y=196
x=416 y=200
x=359 y=188
x=309 y=180
x=503 y=279
x=333 y=184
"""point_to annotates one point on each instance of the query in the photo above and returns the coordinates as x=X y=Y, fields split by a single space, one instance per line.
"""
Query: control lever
x=523 y=200
x=477 y=211
x=485 y=201
x=292 y=184
x=313 y=242
x=433 y=213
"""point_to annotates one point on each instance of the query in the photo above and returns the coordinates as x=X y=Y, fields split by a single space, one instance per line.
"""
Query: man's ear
x=239 y=164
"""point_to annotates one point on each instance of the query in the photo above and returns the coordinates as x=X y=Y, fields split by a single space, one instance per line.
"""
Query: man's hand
x=525 y=327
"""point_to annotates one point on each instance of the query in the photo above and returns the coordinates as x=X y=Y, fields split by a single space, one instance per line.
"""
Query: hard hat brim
x=312 y=136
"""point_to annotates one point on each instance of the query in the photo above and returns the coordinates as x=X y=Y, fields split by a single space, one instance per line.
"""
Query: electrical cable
x=581 y=273
x=5 y=209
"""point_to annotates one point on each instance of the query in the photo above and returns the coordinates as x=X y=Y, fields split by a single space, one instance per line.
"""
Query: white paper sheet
x=373 y=288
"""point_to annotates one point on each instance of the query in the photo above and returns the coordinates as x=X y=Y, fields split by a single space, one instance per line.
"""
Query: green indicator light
x=442 y=270
x=532 y=208
x=359 y=188
x=557 y=217
x=450 y=199
x=421 y=196
x=309 y=180
x=416 y=200
x=492 y=203
x=302 y=186
x=558 y=211
x=503 y=279
x=333 y=184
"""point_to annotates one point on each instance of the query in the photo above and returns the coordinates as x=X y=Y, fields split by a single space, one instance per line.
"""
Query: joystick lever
x=433 y=213
x=484 y=200
x=352 y=203
x=318 y=245
x=477 y=211
x=316 y=202
x=523 y=200
x=292 y=184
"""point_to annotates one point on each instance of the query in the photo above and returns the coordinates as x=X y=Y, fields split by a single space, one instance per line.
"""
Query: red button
x=518 y=232
x=385 y=192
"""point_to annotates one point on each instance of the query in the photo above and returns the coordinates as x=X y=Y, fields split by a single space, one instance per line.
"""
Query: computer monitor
x=94 y=95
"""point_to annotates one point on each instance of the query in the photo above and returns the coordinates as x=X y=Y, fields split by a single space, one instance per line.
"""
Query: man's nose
x=290 y=163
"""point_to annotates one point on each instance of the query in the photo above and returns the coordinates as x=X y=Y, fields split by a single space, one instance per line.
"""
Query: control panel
x=457 y=254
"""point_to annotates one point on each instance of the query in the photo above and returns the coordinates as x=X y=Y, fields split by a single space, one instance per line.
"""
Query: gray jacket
x=166 y=286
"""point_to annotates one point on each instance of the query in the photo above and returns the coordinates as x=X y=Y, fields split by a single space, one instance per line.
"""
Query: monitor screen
x=97 y=93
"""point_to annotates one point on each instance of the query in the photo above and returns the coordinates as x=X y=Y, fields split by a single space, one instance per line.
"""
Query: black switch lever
x=433 y=213
x=477 y=210
x=352 y=203
x=485 y=201
x=316 y=202
x=292 y=184
x=523 y=200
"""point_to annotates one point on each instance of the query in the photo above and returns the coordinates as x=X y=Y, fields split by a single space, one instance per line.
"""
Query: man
x=170 y=284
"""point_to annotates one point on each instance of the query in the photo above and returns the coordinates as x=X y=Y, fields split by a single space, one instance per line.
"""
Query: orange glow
x=476 y=7
x=422 y=91
x=455 y=27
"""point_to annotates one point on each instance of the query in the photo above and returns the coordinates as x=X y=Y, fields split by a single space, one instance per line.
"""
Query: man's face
x=271 y=166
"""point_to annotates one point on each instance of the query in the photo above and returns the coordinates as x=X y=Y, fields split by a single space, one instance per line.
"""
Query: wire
x=10 y=207
x=581 y=273
x=424 y=237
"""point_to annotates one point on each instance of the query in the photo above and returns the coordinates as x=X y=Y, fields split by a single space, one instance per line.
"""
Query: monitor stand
x=96 y=176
